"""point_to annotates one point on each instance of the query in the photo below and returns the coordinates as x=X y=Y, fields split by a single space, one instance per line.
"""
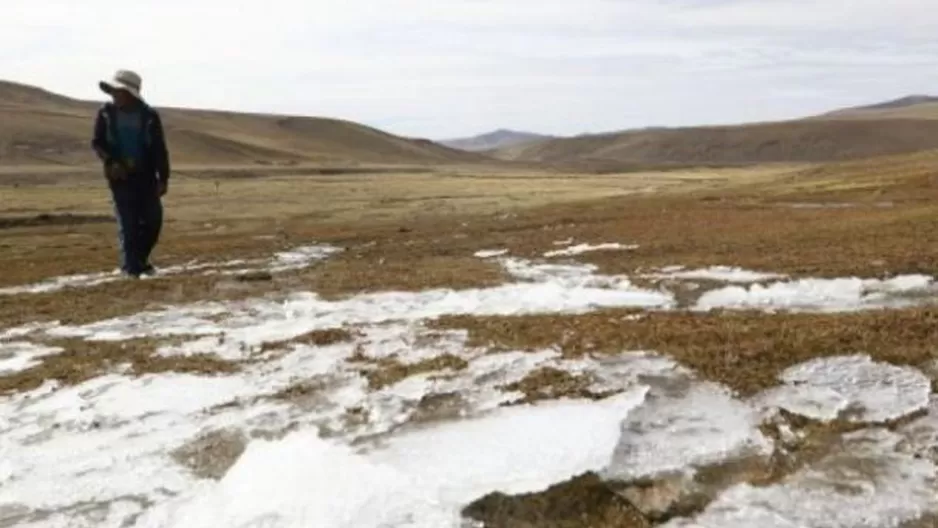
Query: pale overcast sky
x=442 y=68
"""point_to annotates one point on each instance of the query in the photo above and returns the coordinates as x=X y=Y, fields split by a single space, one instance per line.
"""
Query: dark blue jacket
x=154 y=166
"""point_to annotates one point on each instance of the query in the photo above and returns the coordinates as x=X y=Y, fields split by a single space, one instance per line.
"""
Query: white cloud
x=451 y=67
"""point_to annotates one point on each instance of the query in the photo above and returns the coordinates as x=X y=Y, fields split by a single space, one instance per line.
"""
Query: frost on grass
x=580 y=249
x=869 y=483
x=294 y=259
x=822 y=295
x=852 y=388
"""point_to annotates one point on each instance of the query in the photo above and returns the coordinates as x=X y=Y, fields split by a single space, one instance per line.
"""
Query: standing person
x=129 y=140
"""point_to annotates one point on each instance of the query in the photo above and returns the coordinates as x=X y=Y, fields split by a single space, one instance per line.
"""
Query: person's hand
x=163 y=187
x=116 y=172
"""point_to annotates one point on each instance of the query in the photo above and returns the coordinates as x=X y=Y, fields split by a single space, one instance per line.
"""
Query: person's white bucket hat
x=123 y=80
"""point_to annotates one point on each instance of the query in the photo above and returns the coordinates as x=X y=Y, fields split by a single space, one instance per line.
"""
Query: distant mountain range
x=501 y=138
x=899 y=126
x=903 y=102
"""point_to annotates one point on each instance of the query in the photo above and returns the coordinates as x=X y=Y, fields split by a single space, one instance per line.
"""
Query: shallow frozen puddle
x=853 y=388
x=685 y=425
x=870 y=483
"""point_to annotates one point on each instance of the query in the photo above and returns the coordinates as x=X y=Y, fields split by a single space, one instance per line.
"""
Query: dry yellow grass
x=746 y=351
x=582 y=502
x=82 y=360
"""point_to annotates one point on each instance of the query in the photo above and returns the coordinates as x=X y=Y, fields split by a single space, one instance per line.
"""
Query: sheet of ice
x=714 y=273
x=102 y=440
x=867 y=484
x=20 y=355
x=683 y=425
x=418 y=479
x=297 y=258
x=579 y=249
x=570 y=276
x=823 y=295
x=922 y=434
x=490 y=253
x=303 y=481
x=854 y=388
x=513 y=450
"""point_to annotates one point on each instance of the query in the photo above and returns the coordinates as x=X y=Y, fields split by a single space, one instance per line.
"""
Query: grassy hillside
x=913 y=107
x=880 y=130
x=39 y=127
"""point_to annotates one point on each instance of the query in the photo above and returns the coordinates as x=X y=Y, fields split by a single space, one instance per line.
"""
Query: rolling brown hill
x=910 y=107
x=854 y=134
x=39 y=128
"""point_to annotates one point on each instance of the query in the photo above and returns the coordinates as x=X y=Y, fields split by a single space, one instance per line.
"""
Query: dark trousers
x=139 y=213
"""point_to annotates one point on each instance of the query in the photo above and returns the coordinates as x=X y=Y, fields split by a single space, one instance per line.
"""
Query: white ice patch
x=297 y=258
x=867 y=484
x=490 y=253
x=854 y=388
x=105 y=439
x=85 y=280
x=415 y=480
x=684 y=426
x=304 y=481
x=822 y=295
x=518 y=449
x=547 y=289
x=301 y=257
x=20 y=332
x=922 y=434
x=714 y=273
x=17 y=356
x=579 y=249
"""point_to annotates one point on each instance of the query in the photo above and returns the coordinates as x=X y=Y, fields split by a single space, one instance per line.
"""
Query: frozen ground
x=293 y=259
x=299 y=437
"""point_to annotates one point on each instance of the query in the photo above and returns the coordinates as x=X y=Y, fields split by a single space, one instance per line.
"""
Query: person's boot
x=148 y=270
